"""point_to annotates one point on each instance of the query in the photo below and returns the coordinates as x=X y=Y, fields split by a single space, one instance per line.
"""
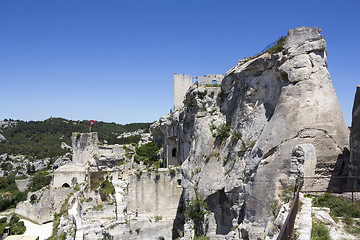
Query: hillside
x=42 y=139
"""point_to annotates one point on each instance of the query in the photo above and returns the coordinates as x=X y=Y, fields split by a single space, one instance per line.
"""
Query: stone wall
x=155 y=194
x=22 y=184
x=182 y=83
x=47 y=202
x=84 y=146
x=69 y=174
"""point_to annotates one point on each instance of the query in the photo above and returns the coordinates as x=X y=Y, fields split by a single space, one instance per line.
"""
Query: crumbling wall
x=182 y=83
x=154 y=193
x=84 y=147
x=47 y=202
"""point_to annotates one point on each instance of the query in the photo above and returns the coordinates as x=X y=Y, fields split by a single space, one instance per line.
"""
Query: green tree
x=147 y=153
x=39 y=180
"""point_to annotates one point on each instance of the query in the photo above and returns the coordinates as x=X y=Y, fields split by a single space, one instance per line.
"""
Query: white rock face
x=277 y=102
x=2 y=138
x=65 y=146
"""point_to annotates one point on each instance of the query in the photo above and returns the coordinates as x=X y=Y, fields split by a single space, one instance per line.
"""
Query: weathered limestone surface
x=303 y=165
x=84 y=147
x=48 y=201
x=69 y=174
x=22 y=184
x=156 y=194
x=277 y=102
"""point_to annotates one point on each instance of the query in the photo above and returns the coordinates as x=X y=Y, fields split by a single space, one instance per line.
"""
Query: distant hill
x=41 y=139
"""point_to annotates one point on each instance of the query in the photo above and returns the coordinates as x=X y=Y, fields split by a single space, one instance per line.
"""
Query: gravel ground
x=43 y=231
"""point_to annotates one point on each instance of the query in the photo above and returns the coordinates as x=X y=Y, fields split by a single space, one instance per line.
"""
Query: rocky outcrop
x=355 y=136
x=2 y=138
x=354 y=168
x=236 y=143
x=40 y=206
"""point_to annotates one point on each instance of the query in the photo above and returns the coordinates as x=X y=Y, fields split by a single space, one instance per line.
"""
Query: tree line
x=42 y=139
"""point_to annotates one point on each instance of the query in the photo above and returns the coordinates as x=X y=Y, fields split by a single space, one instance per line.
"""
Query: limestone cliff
x=355 y=136
x=236 y=142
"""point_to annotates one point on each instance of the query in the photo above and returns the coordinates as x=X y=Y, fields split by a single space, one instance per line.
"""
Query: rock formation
x=236 y=143
x=354 y=164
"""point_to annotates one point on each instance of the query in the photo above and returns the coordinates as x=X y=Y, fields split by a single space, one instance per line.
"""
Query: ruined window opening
x=179 y=182
x=33 y=198
x=173 y=152
x=214 y=82
x=65 y=185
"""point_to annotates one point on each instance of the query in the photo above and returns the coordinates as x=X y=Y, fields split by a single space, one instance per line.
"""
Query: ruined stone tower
x=182 y=83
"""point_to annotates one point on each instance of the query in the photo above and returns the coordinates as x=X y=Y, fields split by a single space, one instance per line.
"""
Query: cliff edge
x=243 y=143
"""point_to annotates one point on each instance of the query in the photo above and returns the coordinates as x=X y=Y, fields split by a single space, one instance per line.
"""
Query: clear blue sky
x=114 y=60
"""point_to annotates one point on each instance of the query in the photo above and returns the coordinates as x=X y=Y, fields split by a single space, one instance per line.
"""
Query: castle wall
x=49 y=201
x=68 y=173
x=182 y=83
x=84 y=146
x=155 y=194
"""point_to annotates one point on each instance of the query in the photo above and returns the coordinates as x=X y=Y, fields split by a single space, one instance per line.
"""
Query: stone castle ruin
x=182 y=83
x=237 y=141
x=141 y=194
x=274 y=119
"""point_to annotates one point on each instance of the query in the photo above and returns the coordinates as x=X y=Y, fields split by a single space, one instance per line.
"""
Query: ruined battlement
x=84 y=146
x=182 y=83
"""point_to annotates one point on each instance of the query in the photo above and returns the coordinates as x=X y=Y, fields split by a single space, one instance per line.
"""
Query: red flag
x=92 y=122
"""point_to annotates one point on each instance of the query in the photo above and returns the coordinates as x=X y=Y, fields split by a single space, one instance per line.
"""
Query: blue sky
x=114 y=60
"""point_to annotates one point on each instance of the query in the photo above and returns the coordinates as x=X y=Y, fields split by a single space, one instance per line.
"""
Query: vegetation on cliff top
x=147 y=153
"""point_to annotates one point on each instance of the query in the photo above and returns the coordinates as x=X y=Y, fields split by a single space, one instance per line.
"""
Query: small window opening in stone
x=179 y=181
x=214 y=82
x=173 y=152
x=66 y=185
x=33 y=197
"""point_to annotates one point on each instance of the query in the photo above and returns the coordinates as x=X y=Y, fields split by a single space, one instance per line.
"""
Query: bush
x=319 y=232
x=17 y=226
x=10 y=201
x=236 y=136
x=222 y=133
x=147 y=153
x=201 y=237
x=39 y=180
x=156 y=164
x=107 y=236
x=107 y=187
x=338 y=207
x=278 y=47
x=196 y=209
x=158 y=218
x=98 y=207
